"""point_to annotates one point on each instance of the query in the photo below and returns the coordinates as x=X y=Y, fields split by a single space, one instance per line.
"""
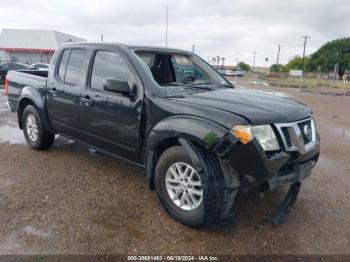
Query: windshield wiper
x=174 y=84
x=203 y=85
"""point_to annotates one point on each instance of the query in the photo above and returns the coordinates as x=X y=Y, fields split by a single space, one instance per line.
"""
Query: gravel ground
x=72 y=200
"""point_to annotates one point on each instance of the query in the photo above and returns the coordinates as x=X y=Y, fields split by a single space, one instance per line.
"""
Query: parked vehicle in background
x=228 y=73
x=221 y=71
x=40 y=66
x=347 y=72
x=238 y=73
x=4 y=68
x=200 y=140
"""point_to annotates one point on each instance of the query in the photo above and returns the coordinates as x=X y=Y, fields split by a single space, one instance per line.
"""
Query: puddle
x=338 y=132
x=36 y=232
x=11 y=134
x=259 y=83
x=3 y=107
x=287 y=85
x=10 y=244
x=307 y=89
x=6 y=183
x=325 y=93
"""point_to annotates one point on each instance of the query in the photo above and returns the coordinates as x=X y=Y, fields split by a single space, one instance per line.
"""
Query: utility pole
x=278 y=55
x=193 y=48
x=254 y=62
x=306 y=37
x=166 y=27
x=102 y=38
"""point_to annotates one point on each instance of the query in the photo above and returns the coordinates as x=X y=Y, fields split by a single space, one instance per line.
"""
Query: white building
x=31 y=46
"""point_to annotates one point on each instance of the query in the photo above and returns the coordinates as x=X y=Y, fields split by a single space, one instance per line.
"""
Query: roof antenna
x=166 y=28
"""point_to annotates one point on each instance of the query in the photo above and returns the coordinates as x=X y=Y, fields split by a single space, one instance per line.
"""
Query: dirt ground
x=72 y=200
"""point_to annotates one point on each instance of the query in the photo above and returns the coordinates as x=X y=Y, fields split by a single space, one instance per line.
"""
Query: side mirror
x=116 y=85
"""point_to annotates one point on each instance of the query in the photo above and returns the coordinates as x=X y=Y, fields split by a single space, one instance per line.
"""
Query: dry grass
x=307 y=82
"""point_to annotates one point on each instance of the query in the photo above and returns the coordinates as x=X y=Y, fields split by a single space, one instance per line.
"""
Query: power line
x=306 y=37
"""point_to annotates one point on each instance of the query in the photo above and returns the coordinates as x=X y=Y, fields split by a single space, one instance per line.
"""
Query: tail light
x=7 y=85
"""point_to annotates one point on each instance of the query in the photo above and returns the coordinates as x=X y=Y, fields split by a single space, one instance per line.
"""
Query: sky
x=232 y=29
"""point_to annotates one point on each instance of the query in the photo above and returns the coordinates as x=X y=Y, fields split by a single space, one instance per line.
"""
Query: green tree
x=297 y=64
x=243 y=66
x=331 y=53
x=276 y=68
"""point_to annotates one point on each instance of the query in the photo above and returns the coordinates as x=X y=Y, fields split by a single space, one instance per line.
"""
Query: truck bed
x=25 y=78
x=32 y=73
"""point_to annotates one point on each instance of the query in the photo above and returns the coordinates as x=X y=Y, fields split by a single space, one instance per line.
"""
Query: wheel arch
x=31 y=96
x=177 y=131
x=23 y=103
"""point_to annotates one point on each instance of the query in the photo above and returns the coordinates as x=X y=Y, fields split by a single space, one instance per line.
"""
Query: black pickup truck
x=200 y=139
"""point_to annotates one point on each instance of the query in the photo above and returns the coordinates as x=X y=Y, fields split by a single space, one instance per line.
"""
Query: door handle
x=86 y=100
x=53 y=90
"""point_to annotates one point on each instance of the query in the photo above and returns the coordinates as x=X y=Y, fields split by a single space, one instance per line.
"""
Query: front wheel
x=179 y=187
x=196 y=194
x=34 y=131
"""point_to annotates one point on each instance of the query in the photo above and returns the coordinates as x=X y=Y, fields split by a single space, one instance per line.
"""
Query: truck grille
x=286 y=136
x=298 y=136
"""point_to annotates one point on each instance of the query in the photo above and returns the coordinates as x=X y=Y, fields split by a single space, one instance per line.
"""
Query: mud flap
x=278 y=217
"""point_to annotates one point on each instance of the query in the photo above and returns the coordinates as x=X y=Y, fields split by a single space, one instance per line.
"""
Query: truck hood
x=254 y=106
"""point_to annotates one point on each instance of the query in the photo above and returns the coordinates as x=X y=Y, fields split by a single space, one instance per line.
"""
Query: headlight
x=264 y=134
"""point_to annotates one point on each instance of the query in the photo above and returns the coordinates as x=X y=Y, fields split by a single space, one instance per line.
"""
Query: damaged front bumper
x=266 y=170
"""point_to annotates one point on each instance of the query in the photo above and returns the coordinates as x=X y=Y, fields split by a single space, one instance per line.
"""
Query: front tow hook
x=278 y=217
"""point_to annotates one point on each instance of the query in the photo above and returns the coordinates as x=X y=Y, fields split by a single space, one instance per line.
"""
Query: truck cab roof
x=124 y=46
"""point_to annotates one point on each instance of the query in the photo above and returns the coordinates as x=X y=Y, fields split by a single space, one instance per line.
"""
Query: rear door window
x=63 y=64
x=74 y=66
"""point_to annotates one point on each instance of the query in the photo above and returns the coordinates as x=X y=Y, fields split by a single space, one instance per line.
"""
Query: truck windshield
x=181 y=70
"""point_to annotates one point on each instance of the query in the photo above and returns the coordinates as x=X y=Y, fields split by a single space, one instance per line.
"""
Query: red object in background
x=31 y=50
x=7 y=85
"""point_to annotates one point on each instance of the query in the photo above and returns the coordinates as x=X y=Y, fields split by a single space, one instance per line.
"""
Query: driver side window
x=109 y=64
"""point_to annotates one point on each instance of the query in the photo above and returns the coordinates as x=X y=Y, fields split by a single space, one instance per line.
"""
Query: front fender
x=202 y=131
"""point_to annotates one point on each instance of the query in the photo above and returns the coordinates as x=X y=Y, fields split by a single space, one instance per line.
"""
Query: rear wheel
x=34 y=131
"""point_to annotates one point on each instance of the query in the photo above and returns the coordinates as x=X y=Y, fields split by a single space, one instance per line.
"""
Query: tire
x=194 y=217
x=34 y=131
x=219 y=191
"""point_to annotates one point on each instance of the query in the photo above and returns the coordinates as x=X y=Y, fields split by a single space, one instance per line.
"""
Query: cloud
x=226 y=28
